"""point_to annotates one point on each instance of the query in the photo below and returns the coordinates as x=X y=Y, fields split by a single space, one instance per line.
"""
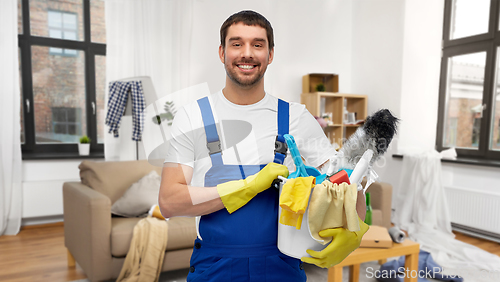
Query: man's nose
x=247 y=51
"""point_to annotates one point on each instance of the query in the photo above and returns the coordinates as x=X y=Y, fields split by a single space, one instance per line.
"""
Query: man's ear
x=271 y=56
x=221 y=53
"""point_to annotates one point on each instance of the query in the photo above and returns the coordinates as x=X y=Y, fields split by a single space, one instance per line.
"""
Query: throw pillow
x=114 y=178
x=139 y=197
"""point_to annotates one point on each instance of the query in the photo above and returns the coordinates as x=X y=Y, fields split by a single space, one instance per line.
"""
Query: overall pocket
x=283 y=268
x=206 y=268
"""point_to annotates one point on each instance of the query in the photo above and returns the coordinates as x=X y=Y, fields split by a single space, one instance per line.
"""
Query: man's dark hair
x=248 y=18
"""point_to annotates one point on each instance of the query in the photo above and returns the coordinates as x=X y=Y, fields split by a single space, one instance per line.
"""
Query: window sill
x=61 y=156
x=469 y=161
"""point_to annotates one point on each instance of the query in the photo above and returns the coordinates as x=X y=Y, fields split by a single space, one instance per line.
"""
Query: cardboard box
x=376 y=237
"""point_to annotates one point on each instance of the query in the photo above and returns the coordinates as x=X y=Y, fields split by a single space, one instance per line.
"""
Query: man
x=227 y=184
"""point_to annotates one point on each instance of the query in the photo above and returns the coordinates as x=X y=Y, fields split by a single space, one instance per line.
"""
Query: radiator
x=476 y=213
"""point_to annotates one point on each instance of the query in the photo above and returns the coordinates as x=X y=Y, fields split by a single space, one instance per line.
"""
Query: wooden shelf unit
x=334 y=103
x=310 y=81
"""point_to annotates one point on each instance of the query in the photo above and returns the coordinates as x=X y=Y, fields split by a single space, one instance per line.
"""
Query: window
x=469 y=100
x=498 y=134
x=64 y=26
x=62 y=72
x=451 y=137
x=65 y=122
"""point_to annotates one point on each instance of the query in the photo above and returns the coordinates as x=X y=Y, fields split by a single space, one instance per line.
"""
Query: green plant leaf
x=168 y=115
x=84 y=139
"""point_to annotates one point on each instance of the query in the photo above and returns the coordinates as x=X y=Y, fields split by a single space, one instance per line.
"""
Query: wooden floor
x=38 y=254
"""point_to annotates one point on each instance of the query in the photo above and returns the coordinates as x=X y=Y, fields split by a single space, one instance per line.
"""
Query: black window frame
x=31 y=150
x=487 y=42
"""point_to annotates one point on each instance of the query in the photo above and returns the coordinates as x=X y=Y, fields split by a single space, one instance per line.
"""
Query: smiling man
x=227 y=187
x=245 y=52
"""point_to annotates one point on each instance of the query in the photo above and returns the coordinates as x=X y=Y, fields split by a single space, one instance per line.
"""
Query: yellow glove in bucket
x=235 y=194
x=344 y=242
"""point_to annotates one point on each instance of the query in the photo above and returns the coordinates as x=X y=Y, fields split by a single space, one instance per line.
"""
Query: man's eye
x=258 y=45
x=237 y=44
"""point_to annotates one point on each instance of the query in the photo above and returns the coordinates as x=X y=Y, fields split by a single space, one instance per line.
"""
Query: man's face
x=246 y=55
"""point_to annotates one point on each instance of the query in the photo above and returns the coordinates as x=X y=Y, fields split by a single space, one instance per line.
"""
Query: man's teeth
x=247 y=67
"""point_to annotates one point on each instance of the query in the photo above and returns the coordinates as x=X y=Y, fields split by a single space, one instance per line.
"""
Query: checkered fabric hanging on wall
x=118 y=95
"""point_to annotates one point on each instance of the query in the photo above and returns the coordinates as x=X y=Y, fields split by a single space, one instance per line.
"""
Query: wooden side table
x=408 y=248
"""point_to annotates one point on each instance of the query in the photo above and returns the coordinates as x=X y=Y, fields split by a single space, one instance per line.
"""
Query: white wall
x=42 y=188
x=377 y=63
x=309 y=36
x=421 y=69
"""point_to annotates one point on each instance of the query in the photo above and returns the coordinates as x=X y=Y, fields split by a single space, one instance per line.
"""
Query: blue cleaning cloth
x=392 y=271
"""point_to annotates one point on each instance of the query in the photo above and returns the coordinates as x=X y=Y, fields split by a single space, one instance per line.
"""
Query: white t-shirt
x=247 y=134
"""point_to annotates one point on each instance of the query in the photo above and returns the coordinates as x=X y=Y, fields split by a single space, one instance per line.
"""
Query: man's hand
x=343 y=243
x=235 y=194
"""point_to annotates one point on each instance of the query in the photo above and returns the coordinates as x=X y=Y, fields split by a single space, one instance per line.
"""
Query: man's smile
x=246 y=66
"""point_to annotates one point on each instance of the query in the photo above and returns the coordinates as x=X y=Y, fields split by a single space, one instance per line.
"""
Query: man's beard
x=243 y=81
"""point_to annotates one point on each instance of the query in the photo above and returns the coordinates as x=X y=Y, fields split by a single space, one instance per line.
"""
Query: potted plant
x=84 y=146
x=320 y=87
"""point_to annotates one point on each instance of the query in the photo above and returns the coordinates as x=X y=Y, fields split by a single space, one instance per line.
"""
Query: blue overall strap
x=213 y=142
x=280 y=146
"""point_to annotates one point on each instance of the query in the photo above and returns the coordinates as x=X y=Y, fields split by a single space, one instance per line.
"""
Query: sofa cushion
x=181 y=234
x=139 y=198
x=114 y=178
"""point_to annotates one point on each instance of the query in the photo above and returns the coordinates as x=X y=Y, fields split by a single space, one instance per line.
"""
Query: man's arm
x=178 y=198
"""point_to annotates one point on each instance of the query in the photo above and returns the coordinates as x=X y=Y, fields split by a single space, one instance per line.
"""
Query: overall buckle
x=214 y=147
x=280 y=147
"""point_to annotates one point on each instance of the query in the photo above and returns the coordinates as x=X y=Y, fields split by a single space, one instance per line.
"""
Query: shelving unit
x=320 y=103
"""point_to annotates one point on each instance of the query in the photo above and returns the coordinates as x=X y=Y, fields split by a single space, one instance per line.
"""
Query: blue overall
x=241 y=246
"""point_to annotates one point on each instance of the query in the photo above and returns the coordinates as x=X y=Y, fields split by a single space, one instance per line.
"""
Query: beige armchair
x=98 y=241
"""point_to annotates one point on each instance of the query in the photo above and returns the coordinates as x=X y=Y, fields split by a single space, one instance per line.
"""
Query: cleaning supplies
x=375 y=134
x=340 y=177
x=361 y=167
x=369 y=211
x=292 y=241
x=332 y=205
x=301 y=169
x=294 y=199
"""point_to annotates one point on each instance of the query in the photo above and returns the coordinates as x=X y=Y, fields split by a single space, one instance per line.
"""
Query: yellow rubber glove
x=235 y=194
x=344 y=242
